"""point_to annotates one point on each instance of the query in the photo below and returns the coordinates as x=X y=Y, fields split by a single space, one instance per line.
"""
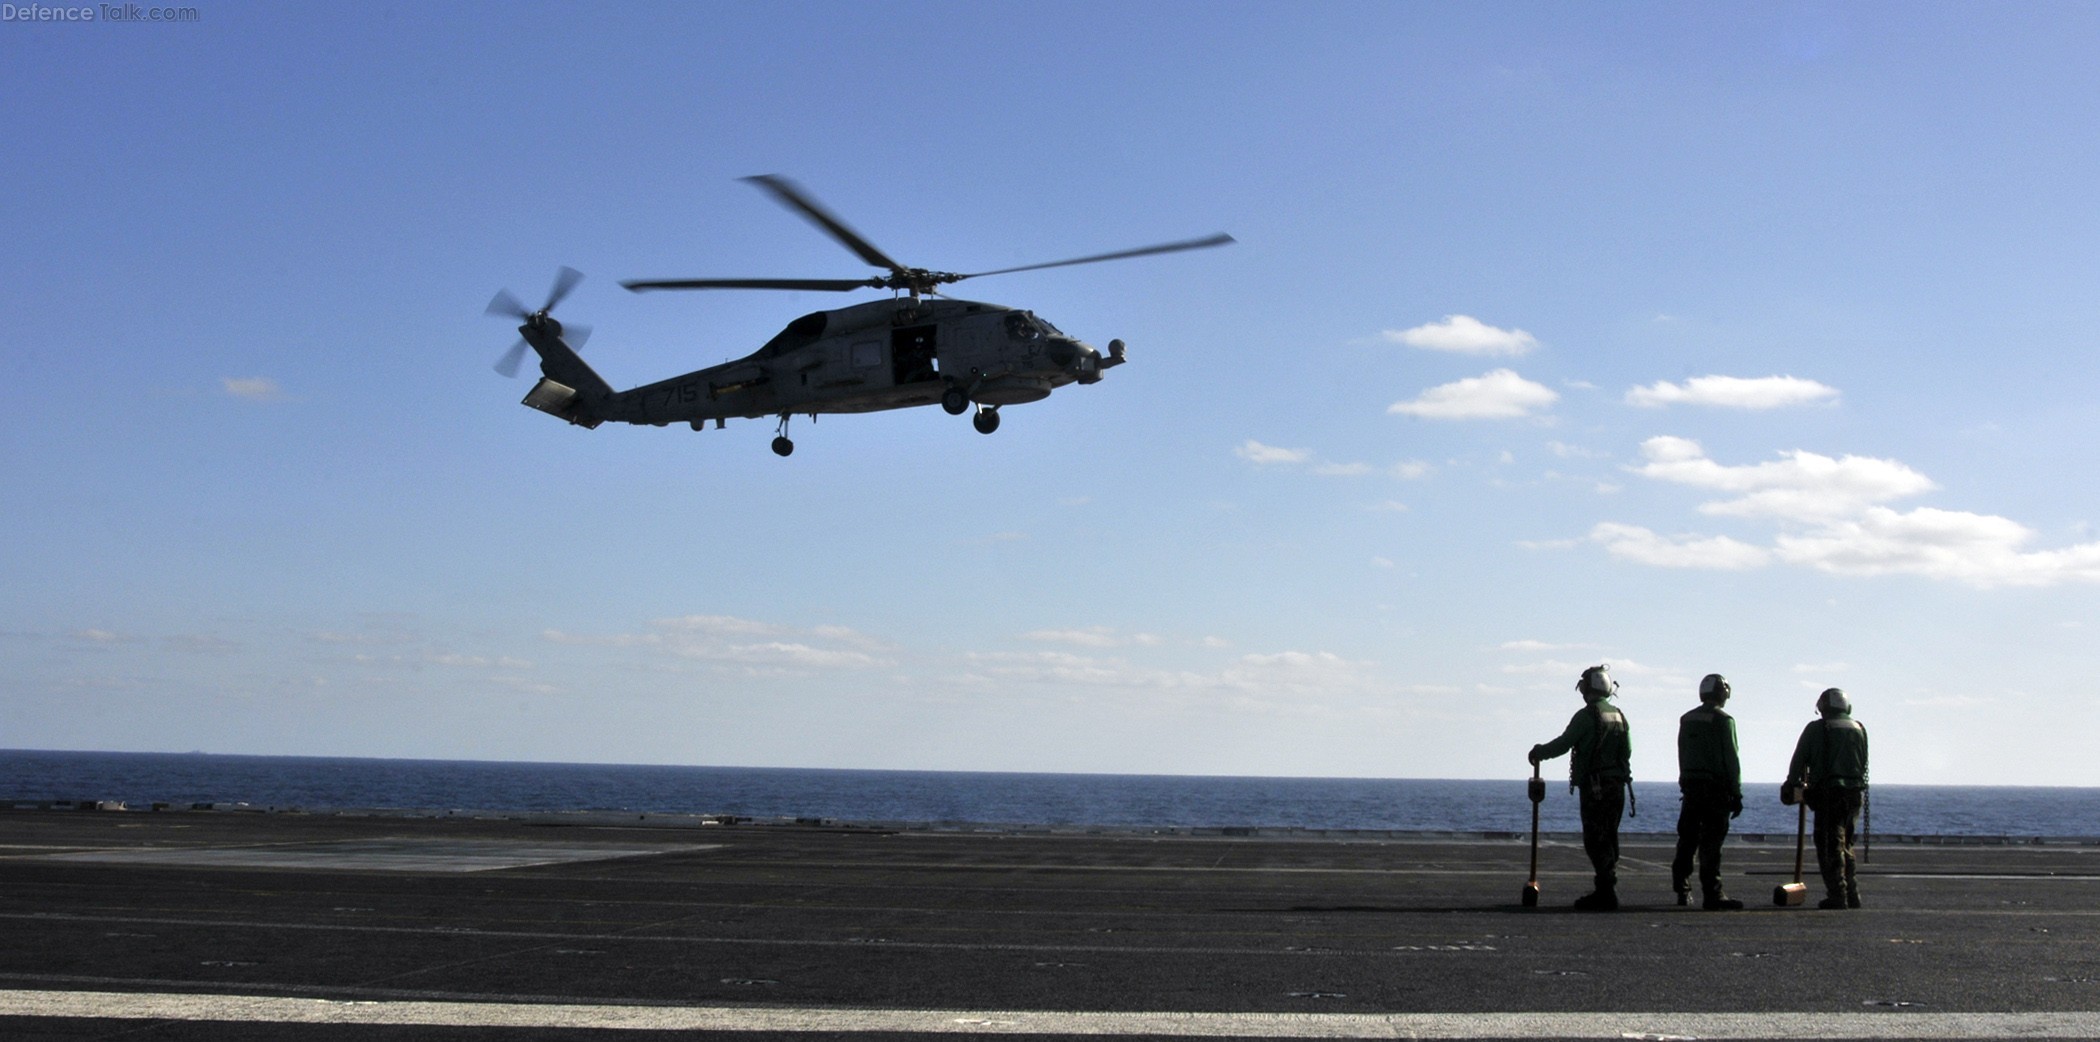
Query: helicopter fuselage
x=888 y=354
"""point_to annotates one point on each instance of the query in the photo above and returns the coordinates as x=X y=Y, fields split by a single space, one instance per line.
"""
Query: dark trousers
x=1702 y=823
x=1837 y=812
x=1603 y=803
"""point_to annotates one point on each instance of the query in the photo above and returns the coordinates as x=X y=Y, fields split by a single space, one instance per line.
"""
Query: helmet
x=1714 y=686
x=1596 y=683
x=1833 y=701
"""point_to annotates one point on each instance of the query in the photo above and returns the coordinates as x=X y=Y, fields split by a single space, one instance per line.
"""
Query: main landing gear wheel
x=986 y=421
x=955 y=401
x=782 y=446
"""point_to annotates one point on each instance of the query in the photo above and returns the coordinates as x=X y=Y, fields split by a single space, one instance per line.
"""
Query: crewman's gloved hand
x=1533 y=755
x=1789 y=795
x=1735 y=806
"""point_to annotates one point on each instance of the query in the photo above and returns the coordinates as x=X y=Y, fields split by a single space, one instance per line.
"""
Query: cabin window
x=867 y=354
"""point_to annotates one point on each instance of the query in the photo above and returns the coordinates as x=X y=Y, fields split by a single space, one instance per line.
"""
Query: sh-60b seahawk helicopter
x=886 y=354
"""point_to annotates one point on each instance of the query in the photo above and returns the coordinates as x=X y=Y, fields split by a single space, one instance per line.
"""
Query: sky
x=1755 y=339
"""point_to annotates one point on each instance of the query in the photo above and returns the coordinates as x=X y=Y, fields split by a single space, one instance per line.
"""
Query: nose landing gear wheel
x=986 y=421
x=782 y=446
x=955 y=401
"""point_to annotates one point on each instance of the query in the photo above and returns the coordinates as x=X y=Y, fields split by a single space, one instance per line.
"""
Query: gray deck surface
x=217 y=925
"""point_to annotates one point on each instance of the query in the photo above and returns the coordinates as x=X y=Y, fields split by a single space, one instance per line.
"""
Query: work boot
x=1832 y=903
x=1601 y=901
x=1717 y=901
x=1684 y=897
x=1852 y=899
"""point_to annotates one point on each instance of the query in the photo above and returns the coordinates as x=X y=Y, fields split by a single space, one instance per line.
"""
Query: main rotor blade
x=574 y=335
x=1219 y=239
x=831 y=285
x=506 y=305
x=508 y=364
x=565 y=280
x=791 y=195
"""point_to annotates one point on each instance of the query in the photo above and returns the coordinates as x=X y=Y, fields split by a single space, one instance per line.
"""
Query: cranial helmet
x=1833 y=701
x=1596 y=683
x=1714 y=686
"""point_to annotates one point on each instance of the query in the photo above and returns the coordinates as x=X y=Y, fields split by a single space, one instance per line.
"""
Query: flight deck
x=232 y=924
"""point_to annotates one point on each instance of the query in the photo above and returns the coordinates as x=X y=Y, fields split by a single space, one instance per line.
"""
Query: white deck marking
x=379 y=855
x=612 y=1017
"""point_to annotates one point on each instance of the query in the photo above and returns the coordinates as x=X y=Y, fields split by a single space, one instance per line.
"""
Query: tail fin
x=569 y=387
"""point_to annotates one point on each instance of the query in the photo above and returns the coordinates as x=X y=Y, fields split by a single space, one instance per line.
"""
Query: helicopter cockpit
x=1029 y=326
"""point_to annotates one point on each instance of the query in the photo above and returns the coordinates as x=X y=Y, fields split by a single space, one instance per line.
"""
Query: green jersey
x=1706 y=750
x=1832 y=753
x=1602 y=743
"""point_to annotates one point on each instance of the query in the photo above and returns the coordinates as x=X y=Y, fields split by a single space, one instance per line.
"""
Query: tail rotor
x=505 y=305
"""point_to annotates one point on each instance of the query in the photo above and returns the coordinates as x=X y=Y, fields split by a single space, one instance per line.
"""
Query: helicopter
x=920 y=347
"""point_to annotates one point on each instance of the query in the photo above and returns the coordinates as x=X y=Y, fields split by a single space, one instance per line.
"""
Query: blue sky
x=1752 y=339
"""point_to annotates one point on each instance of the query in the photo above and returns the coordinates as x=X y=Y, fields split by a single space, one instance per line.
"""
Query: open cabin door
x=912 y=354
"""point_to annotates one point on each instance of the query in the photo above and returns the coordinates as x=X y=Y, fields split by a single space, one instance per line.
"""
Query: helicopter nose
x=1085 y=363
x=1065 y=352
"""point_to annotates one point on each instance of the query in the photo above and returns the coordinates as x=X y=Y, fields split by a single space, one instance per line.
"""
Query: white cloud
x=1063 y=667
x=1832 y=519
x=1799 y=485
x=1409 y=470
x=1298 y=672
x=1949 y=702
x=1092 y=637
x=1566 y=451
x=1499 y=395
x=728 y=642
x=1295 y=671
x=1342 y=470
x=1733 y=392
x=1979 y=549
x=849 y=635
x=1573 y=668
x=253 y=388
x=201 y=644
x=1263 y=455
x=1272 y=456
x=1820 y=667
x=776 y=654
x=1466 y=335
x=459 y=661
x=1642 y=546
x=718 y=625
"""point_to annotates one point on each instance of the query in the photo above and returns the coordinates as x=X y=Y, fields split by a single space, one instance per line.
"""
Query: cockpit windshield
x=1023 y=326
x=1027 y=325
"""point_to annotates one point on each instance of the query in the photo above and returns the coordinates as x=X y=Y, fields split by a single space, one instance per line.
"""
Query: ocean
x=955 y=799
